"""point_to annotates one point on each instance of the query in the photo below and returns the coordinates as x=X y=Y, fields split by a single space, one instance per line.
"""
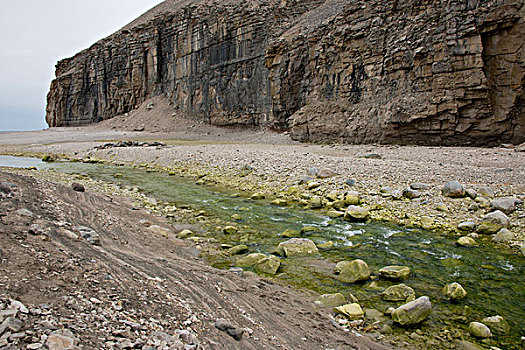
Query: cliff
x=418 y=71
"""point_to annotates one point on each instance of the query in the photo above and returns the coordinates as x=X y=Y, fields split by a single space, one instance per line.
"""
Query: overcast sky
x=35 y=34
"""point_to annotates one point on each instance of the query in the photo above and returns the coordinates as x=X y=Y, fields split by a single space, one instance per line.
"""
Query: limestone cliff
x=417 y=71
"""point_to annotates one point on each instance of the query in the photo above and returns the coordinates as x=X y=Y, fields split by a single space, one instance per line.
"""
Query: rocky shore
x=473 y=194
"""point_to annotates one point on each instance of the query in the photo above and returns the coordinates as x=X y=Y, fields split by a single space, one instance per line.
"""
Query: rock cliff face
x=418 y=71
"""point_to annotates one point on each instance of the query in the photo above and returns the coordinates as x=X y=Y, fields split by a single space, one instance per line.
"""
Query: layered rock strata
x=418 y=71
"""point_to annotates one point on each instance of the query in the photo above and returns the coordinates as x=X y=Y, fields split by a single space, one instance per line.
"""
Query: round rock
x=355 y=213
x=479 y=330
x=454 y=291
x=356 y=270
x=466 y=242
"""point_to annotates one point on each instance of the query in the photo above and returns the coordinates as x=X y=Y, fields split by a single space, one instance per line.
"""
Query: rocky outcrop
x=419 y=71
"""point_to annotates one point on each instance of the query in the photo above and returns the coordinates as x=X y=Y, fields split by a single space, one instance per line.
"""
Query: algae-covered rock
x=280 y=202
x=503 y=236
x=497 y=324
x=467 y=226
x=326 y=245
x=355 y=213
x=351 y=198
x=466 y=242
x=351 y=311
x=331 y=300
x=296 y=247
x=236 y=217
x=257 y=196
x=335 y=214
x=356 y=270
x=454 y=291
x=399 y=292
x=238 y=249
x=250 y=260
x=308 y=229
x=479 y=330
x=395 y=272
x=230 y=230
x=268 y=265
x=184 y=234
x=493 y=222
x=413 y=312
x=290 y=233
x=316 y=202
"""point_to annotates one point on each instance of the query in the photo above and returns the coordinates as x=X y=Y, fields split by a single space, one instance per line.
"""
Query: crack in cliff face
x=420 y=71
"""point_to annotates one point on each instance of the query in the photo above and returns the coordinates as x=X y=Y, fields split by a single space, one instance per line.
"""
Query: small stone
x=466 y=345
x=230 y=230
x=399 y=292
x=331 y=300
x=453 y=189
x=354 y=271
x=466 y=241
x=441 y=207
x=413 y=312
x=479 y=330
x=325 y=173
x=355 y=213
x=411 y=194
x=397 y=195
x=26 y=213
x=313 y=185
x=78 y=187
x=503 y=236
x=493 y=222
x=351 y=311
x=497 y=324
x=335 y=214
x=395 y=272
x=90 y=235
x=236 y=217
x=454 y=291
x=386 y=329
x=296 y=247
x=373 y=156
x=467 y=226
x=326 y=245
x=350 y=182
x=225 y=326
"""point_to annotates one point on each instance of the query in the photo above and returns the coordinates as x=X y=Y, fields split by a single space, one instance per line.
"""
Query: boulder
x=268 y=265
x=454 y=291
x=395 y=272
x=399 y=292
x=296 y=247
x=356 y=270
x=413 y=312
x=453 y=189
x=351 y=311
x=331 y=300
x=466 y=242
x=479 y=330
x=506 y=205
x=497 y=324
x=493 y=222
x=355 y=213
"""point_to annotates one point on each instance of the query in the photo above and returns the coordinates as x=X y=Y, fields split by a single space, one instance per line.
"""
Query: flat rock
x=467 y=226
x=413 y=312
x=250 y=260
x=268 y=265
x=351 y=311
x=486 y=192
x=331 y=300
x=61 y=340
x=506 y=205
x=395 y=272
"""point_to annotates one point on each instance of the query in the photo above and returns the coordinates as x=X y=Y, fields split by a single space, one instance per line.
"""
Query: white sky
x=35 y=34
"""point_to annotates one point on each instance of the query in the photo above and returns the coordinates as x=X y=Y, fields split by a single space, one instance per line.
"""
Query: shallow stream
x=493 y=278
